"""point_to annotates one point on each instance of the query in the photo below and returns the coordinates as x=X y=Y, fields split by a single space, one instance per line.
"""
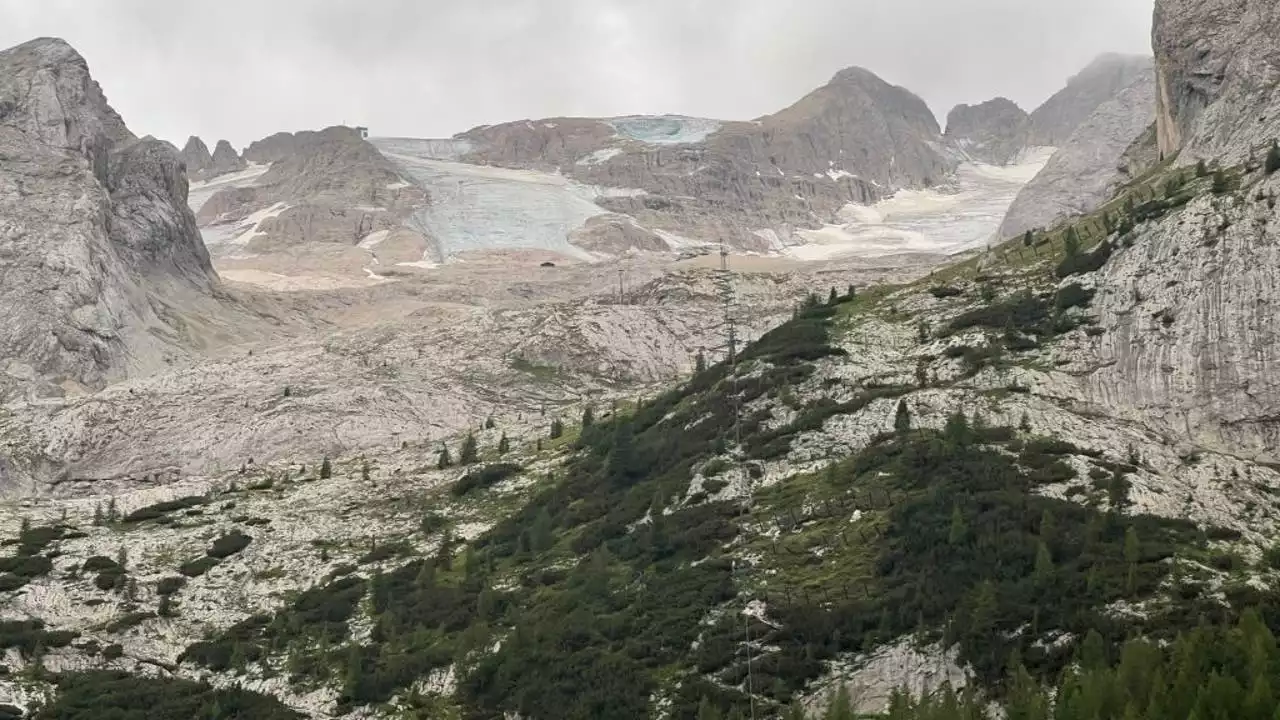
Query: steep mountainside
x=994 y=132
x=1040 y=481
x=1083 y=173
x=322 y=187
x=856 y=139
x=1053 y=123
x=1219 y=78
x=100 y=256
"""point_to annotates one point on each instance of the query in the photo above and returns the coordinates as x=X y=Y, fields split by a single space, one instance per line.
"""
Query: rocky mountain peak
x=196 y=156
x=1054 y=121
x=225 y=159
x=97 y=234
x=995 y=131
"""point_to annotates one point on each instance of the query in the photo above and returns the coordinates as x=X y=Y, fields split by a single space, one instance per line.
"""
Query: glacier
x=664 y=129
x=481 y=207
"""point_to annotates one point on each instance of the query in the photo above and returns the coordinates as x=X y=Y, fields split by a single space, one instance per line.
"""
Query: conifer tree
x=833 y=298
x=445 y=459
x=470 y=452
x=326 y=470
x=504 y=445
x=902 y=419
x=853 y=292
x=1273 y=158
x=588 y=417
x=557 y=428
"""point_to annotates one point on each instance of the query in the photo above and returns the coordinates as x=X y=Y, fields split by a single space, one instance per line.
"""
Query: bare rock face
x=995 y=132
x=1083 y=173
x=98 y=249
x=271 y=148
x=195 y=154
x=329 y=186
x=225 y=159
x=856 y=139
x=1053 y=123
x=1218 y=70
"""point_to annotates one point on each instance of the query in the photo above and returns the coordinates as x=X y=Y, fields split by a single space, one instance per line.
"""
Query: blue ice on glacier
x=480 y=207
x=664 y=129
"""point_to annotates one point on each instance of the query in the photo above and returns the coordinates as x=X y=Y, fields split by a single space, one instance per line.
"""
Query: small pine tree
x=489 y=424
x=1202 y=170
x=700 y=363
x=122 y=557
x=539 y=446
x=504 y=445
x=113 y=513
x=470 y=453
x=287 y=391
x=902 y=419
x=1029 y=239
x=98 y=516
x=1071 y=245
x=853 y=292
x=1273 y=158
x=445 y=459
x=833 y=298
x=557 y=428
x=588 y=417
x=364 y=472
x=326 y=469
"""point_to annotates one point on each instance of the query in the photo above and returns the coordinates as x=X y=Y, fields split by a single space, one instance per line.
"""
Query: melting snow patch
x=837 y=175
x=600 y=156
x=373 y=239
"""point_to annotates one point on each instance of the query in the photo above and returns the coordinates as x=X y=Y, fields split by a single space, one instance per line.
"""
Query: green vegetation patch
x=102 y=694
x=162 y=509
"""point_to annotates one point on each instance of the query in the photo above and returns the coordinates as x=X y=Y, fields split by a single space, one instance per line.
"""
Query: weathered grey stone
x=1053 y=123
x=97 y=245
x=195 y=155
x=1218 y=68
x=1084 y=171
x=994 y=132
x=856 y=139
x=225 y=160
x=329 y=186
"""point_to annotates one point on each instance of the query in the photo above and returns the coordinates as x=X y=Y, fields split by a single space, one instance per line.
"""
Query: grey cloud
x=242 y=69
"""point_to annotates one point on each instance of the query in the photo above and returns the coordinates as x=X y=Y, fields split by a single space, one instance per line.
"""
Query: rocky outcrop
x=98 y=250
x=195 y=155
x=1053 y=123
x=1218 y=69
x=225 y=160
x=271 y=148
x=1083 y=173
x=856 y=139
x=329 y=186
x=995 y=132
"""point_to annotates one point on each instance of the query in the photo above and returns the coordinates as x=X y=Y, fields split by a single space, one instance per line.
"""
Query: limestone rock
x=271 y=148
x=98 y=249
x=994 y=132
x=195 y=154
x=225 y=159
x=856 y=139
x=329 y=186
x=1053 y=123
x=1084 y=171
x=1218 y=68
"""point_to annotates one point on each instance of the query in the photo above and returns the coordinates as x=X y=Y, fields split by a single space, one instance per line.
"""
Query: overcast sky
x=242 y=69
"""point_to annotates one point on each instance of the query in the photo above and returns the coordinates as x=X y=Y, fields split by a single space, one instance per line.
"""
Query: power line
x=729 y=305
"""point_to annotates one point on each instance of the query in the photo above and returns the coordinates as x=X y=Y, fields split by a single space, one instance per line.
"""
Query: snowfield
x=962 y=217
